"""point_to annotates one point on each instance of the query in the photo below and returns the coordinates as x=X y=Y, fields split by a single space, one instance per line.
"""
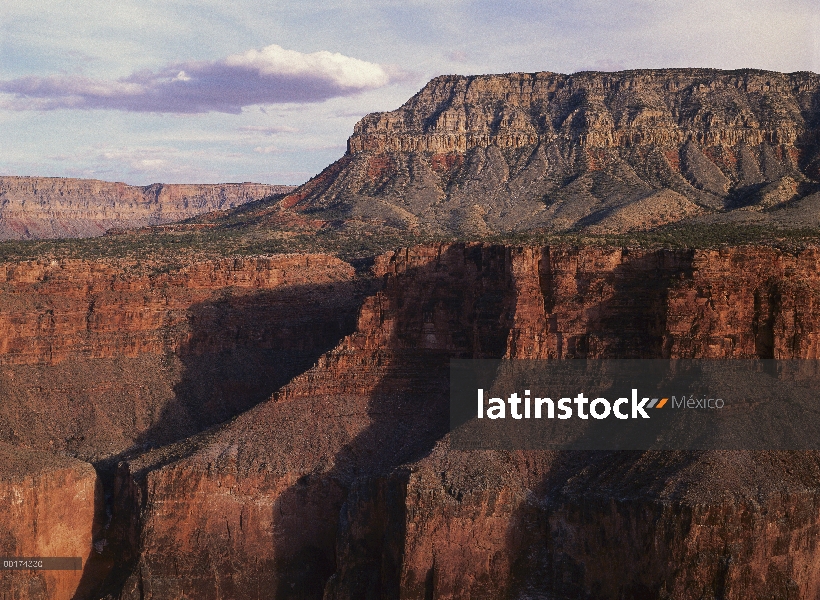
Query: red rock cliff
x=102 y=360
x=49 y=506
x=102 y=356
x=343 y=485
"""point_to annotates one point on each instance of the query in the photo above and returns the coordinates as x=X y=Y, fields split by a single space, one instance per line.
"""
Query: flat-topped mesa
x=52 y=207
x=601 y=152
x=665 y=107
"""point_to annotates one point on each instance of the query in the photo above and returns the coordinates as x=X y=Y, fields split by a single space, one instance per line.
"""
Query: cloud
x=267 y=131
x=266 y=149
x=267 y=76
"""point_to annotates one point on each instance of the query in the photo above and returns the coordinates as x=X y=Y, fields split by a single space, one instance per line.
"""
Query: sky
x=208 y=91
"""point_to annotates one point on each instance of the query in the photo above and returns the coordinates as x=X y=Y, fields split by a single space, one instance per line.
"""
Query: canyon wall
x=48 y=507
x=102 y=360
x=102 y=356
x=344 y=484
x=51 y=207
x=601 y=152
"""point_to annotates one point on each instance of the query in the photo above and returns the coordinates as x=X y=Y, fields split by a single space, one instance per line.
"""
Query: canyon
x=101 y=361
x=221 y=421
x=351 y=459
x=337 y=480
x=57 y=207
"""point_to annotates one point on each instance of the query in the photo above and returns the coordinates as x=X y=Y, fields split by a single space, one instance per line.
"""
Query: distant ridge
x=55 y=207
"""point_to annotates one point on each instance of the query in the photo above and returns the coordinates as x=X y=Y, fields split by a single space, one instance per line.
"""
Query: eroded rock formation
x=51 y=207
x=100 y=356
x=343 y=485
x=606 y=152
x=49 y=507
x=103 y=360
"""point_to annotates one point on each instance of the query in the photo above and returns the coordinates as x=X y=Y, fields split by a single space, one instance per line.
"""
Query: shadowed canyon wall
x=343 y=485
x=102 y=360
x=100 y=356
x=51 y=207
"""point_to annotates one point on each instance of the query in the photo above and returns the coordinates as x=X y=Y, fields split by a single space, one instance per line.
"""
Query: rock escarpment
x=603 y=152
x=49 y=506
x=101 y=360
x=113 y=358
x=101 y=356
x=50 y=207
x=344 y=485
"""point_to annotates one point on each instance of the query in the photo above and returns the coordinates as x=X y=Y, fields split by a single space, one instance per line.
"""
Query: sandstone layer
x=344 y=485
x=609 y=152
x=49 y=506
x=102 y=357
x=50 y=207
x=101 y=360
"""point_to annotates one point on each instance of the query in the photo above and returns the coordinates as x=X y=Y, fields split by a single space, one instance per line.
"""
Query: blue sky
x=211 y=91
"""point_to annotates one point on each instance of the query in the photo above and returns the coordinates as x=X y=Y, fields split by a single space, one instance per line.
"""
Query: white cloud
x=267 y=76
x=345 y=72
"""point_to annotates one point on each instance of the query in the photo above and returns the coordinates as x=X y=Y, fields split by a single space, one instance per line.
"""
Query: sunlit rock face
x=49 y=507
x=602 y=152
x=52 y=207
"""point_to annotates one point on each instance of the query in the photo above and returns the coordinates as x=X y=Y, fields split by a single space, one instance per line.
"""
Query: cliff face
x=665 y=107
x=49 y=506
x=104 y=357
x=46 y=207
x=103 y=360
x=605 y=152
x=344 y=485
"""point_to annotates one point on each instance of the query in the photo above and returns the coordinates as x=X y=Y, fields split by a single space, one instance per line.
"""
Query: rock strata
x=103 y=360
x=344 y=485
x=99 y=357
x=609 y=151
x=50 y=207
x=49 y=506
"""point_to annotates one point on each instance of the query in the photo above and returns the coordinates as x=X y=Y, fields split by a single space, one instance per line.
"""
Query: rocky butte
x=52 y=207
x=277 y=426
x=601 y=152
